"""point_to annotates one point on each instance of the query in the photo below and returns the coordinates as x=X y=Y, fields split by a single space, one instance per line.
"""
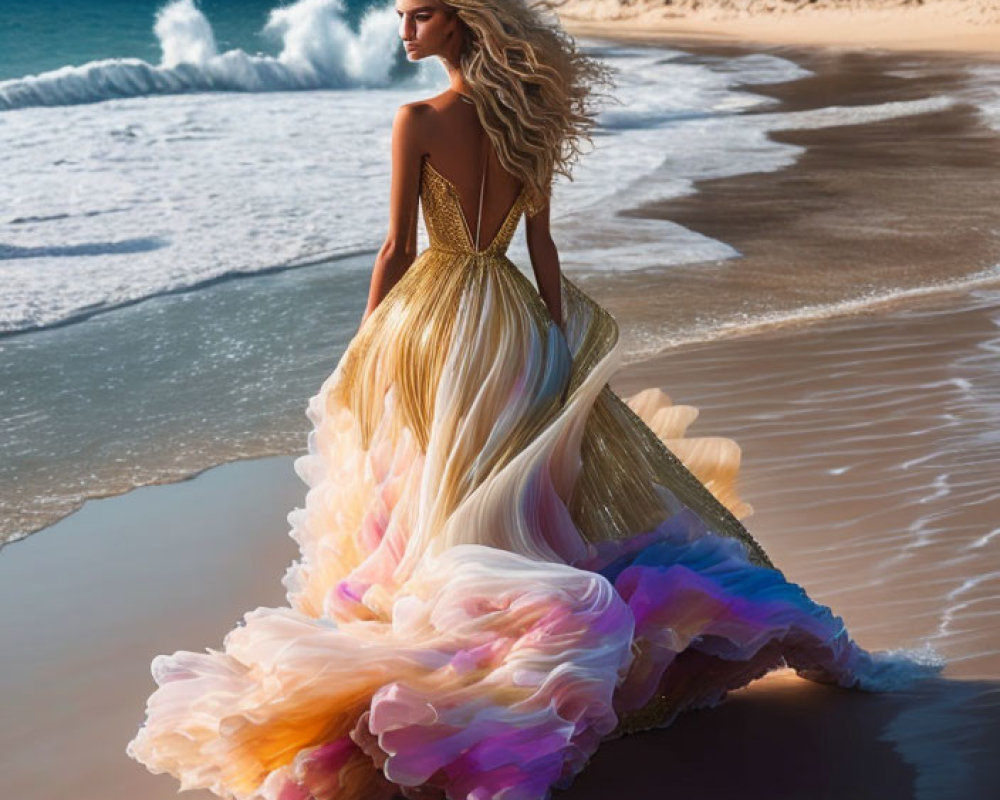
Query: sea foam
x=319 y=50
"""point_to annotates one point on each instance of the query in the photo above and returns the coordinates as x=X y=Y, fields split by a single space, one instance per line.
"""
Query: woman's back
x=458 y=148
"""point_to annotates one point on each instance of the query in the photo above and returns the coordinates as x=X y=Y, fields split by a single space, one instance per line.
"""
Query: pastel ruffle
x=495 y=673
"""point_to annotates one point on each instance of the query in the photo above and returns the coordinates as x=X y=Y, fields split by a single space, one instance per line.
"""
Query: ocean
x=193 y=195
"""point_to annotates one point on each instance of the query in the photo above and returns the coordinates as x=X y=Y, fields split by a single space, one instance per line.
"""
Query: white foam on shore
x=984 y=92
x=688 y=151
x=108 y=203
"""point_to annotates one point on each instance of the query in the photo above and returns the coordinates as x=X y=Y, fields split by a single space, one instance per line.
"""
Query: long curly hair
x=533 y=89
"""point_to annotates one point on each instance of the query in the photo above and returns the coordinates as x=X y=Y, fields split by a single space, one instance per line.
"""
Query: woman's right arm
x=399 y=248
x=545 y=261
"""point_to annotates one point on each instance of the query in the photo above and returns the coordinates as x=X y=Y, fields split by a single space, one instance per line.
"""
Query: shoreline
x=870 y=215
x=928 y=29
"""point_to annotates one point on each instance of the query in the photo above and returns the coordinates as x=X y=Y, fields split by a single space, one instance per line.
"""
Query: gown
x=502 y=563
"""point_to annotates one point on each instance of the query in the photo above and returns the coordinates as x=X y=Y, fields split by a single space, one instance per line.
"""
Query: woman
x=502 y=564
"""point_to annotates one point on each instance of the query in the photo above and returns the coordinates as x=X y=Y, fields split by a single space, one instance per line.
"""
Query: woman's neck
x=456 y=80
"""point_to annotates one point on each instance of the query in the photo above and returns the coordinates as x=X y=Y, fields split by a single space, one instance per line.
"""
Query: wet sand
x=871 y=455
x=868 y=212
x=90 y=600
x=871 y=452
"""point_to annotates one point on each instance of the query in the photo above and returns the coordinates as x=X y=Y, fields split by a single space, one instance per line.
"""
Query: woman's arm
x=400 y=246
x=545 y=261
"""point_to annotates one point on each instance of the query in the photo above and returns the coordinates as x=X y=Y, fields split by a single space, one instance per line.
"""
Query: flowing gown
x=502 y=563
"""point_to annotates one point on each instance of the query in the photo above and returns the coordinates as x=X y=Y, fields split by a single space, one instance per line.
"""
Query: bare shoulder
x=413 y=120
x=416 y=111
x=423 y=117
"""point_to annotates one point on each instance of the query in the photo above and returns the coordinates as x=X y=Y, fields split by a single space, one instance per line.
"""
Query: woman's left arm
x=545 y=261
x=400 y=246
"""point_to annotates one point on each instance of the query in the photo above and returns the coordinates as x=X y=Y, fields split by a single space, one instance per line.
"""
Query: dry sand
x=923 y=25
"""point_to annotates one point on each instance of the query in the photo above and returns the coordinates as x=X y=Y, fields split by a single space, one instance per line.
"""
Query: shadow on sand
x=785 y=737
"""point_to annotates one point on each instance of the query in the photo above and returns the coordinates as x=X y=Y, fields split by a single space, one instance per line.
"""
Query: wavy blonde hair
x=533 y=89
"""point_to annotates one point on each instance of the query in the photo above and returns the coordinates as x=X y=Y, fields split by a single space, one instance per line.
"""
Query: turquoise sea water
x=41 y=35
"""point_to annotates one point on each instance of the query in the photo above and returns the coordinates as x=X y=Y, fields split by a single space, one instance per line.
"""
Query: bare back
x=443 y=134
x=455 y=146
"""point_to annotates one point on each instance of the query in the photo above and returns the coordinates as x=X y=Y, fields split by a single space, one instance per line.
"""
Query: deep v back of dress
x=448 y=228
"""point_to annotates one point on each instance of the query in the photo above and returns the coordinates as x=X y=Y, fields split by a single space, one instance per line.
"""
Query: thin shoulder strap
x=482 y=186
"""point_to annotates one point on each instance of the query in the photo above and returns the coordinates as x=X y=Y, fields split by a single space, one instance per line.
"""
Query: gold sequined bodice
x=447 y=227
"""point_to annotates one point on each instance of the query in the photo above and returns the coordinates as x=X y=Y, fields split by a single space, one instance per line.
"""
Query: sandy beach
x=868 y=212
x=943 y=26
x=870 y=454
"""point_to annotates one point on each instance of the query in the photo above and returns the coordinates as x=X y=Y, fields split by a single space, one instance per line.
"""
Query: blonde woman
x=502 y=562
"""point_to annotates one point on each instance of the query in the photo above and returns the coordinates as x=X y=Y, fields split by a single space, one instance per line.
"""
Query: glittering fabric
x=502 y=563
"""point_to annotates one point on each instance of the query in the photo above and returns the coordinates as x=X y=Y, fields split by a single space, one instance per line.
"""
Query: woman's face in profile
x=427 y=28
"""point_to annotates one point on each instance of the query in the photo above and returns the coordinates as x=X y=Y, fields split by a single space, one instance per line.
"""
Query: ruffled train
x=495 y=675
